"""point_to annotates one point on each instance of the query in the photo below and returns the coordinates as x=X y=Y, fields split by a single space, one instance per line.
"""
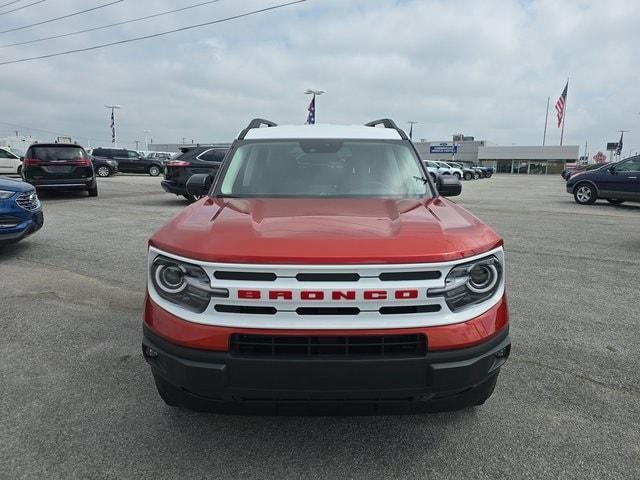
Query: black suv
x=130 y=161
x=615 y=183
x=191 y=161
x=63 y=166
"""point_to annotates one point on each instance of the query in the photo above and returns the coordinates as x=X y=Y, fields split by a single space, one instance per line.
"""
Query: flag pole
x=564 y=113
x=546 y=118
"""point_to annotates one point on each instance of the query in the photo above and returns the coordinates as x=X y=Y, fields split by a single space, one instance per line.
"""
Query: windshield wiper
x=422 y=179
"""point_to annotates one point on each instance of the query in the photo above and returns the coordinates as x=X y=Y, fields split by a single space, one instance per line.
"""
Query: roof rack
x=388 y=123
x=256 y=123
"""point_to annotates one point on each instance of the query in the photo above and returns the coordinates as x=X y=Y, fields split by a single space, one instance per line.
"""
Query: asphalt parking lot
x=77 y=399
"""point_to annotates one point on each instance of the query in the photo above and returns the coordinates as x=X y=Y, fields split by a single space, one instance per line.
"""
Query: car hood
x=314 y=231
x=14 y=185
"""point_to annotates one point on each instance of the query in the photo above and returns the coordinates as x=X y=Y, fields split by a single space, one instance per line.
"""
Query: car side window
x=132 y=154
x=212 y=156
x=5 y=154
x=631 y=165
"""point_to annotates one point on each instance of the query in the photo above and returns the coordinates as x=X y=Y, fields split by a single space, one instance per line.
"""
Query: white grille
x=321 y=307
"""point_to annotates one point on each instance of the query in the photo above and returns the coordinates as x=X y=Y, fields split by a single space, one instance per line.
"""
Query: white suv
x=446 y=169
x=9 y=162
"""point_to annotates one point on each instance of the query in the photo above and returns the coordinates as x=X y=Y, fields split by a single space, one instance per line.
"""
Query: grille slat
x=408 y=276
x=412 y=345
x=327 y=277
x=28 y=201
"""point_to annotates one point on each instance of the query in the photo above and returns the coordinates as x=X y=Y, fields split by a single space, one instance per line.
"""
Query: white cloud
x=484 y=68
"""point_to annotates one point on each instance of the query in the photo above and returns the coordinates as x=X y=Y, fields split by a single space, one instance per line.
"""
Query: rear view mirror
x=199 y=184
x=449 y=185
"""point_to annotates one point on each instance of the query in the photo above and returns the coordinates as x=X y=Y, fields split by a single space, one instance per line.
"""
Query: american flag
x=113 y=128
x=311 y=117
x=561 y=104
x=619 y=147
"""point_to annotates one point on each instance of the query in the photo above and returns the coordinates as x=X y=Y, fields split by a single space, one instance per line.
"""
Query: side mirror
x=449 y=185
x=199 y=184
x=612 y=169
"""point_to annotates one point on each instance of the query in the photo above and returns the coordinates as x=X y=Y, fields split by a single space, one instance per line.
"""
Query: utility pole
x=546 y=119
x=146 y=139
x=412 y=123
x=622 y=132
x=137 y=143
x=113 y=108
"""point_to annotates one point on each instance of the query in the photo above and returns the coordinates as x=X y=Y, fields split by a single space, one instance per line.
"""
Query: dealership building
x=534 y=159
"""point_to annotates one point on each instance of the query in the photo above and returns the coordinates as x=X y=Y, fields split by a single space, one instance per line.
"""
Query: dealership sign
x=443 y=148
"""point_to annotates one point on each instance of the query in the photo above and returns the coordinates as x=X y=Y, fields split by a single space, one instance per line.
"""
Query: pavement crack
x=625 y=389
x=107 y=281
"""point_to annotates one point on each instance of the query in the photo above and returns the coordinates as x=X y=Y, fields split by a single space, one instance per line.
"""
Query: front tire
x=585 y=194
x=154 y=170
x=468 y=176
x=19 y=172
x=457 y=175
x=103 y=171
x=476 y=176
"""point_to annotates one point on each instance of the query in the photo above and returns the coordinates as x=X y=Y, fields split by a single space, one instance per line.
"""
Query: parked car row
x=192 y=160
x=460 y=169
x=127 y=161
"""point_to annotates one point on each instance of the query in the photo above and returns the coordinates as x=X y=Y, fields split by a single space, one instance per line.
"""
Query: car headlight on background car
x=183 y=283
x=471 y=283
x=6 y=194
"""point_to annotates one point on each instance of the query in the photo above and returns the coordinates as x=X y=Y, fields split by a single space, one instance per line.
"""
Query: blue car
x=20 y=210
x=616 y=183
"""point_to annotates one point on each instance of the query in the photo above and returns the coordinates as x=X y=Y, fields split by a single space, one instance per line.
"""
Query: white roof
x=323 y=131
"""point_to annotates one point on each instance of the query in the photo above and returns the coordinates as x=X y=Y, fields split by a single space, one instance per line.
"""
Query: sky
x=482 y=68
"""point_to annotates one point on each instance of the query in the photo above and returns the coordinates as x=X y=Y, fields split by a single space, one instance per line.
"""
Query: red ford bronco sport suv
x=323 y=264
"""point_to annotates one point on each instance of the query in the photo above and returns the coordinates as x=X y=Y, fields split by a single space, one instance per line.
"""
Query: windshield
x=323 y=168
x=57 y=153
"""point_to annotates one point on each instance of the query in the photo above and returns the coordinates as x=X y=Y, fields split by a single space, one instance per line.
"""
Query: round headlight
x=170 y=278
x=482 y=278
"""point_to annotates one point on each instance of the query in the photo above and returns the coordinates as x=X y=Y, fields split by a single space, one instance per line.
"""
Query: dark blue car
x=20 y=210
x=615 y=183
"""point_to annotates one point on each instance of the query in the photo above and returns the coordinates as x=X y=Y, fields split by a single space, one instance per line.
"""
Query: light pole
x=146 y=139
x=412 y=123
x=311 y=117
x=113 y=123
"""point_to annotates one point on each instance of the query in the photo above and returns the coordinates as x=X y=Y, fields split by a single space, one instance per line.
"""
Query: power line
x=63 y=16
x=22 y=127
x=145 y=37
x=24 y=6
x=9 y=3
x=110 y=25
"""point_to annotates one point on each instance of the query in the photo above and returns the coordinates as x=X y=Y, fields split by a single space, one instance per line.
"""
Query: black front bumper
x=170 y=186
x=224 y=376
x=35 y=224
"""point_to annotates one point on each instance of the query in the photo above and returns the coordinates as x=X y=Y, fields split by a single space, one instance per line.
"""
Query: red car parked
x=323 y=264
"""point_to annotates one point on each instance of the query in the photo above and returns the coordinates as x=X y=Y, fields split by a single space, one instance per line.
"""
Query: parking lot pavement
x=78 y=401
